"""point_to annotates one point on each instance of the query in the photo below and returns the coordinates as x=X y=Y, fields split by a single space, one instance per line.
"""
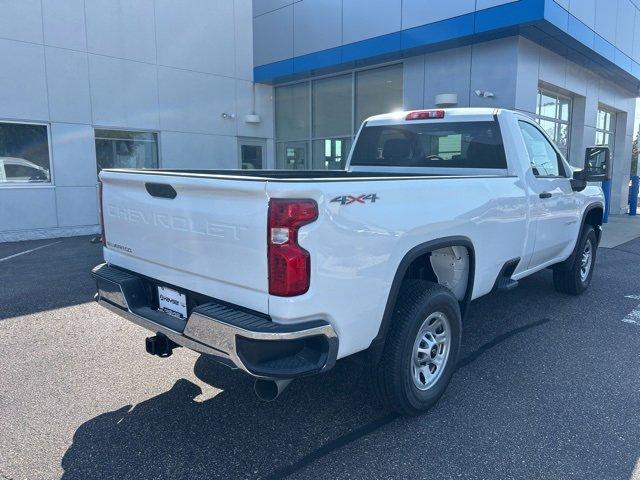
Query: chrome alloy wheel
x=431 y=351
x=586 y=261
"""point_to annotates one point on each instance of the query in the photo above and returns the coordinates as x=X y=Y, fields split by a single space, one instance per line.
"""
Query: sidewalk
x=620 y=229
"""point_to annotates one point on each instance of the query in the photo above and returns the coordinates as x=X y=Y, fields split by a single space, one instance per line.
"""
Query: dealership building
x=91 y=84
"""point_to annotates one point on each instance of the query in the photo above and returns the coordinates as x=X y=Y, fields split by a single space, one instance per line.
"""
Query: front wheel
x=577 y=278
x=421 y=350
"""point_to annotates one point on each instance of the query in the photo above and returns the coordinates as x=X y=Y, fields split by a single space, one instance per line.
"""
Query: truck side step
x=506 y=284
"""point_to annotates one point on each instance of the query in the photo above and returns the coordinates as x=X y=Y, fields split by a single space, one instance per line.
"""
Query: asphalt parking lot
x=548 y=387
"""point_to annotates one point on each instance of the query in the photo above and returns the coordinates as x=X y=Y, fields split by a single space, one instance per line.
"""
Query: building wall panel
x=68 y=71
x=51 y=74
x=123 y=93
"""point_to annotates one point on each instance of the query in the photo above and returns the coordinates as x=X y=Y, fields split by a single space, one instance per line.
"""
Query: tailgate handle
x=161 y=190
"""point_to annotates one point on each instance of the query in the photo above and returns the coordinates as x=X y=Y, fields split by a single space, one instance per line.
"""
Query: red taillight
x=425 y=115
x=289 y=263
x=103 y=238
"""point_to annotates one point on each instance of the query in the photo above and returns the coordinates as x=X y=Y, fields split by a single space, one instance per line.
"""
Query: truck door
x=554 y=206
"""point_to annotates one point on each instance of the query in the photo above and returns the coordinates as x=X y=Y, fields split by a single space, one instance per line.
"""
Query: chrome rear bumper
x=249 y=341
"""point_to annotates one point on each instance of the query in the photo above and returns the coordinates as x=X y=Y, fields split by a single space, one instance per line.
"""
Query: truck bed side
x=356 y=248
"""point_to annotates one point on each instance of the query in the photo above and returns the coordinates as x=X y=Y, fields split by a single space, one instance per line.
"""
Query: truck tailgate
x=210 y=238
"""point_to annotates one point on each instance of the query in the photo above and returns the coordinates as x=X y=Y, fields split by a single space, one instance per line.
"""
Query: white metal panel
x=317 y=25
x=243 y=38
x=356 y=249
x=21 y=20
x=362 y=20
x=123 y=93
x=419 y=12
x=484 y=4
x=77 y=206
x=625 y=24
x=585 y=11
x=193 y=35
x=121 y=28
x=23 y=88
x=273 y=47
x=74 y=154
x=198 y=151
x=194 y=102
x=606 y=19
x=68 y=85
x=260 y=7
x=27 y=208
x=64 y=24
x=210 y=239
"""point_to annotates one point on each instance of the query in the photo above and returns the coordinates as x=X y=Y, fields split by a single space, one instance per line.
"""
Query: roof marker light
x=425 y=115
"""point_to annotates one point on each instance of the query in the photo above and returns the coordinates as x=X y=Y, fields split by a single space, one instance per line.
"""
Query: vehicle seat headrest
x=397 y=149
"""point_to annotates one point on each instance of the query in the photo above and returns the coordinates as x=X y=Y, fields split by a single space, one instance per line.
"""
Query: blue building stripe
x=580 y=32
x=270 y=71
x=556 y=15
x=508 y=15
x=317 y=60
x=542 y=21
x=604 y=48
x=438 y=32
x=372 y=47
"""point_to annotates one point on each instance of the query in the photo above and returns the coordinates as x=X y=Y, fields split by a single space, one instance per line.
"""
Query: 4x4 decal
x=351 y=199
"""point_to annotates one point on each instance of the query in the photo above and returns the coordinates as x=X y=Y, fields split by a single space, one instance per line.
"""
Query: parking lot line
x=28 y=251
x=634 y=316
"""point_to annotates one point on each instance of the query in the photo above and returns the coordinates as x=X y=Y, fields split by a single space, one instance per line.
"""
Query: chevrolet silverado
x=281 y=273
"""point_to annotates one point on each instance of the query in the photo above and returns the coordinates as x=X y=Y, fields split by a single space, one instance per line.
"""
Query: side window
x=544 y=160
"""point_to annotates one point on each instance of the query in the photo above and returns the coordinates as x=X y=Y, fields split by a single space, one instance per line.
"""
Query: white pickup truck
x=281 y=273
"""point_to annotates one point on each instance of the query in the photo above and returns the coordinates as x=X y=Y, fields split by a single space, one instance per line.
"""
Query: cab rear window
x=446 y=145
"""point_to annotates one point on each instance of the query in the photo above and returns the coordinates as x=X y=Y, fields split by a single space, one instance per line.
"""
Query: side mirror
x=597 y=163
x=597 y=168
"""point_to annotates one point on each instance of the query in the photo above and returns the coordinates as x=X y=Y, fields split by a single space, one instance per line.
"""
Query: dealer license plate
x=172 y=302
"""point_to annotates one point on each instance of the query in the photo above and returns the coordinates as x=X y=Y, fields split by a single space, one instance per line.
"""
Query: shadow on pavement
x=231 y=435
x=535 y=397
x=53 y=277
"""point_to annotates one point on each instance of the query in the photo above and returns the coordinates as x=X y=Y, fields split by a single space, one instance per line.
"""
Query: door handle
x=546 y=195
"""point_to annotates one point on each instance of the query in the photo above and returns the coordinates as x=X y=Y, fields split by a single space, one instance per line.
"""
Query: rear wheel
x=421 y=350
x=577 y=278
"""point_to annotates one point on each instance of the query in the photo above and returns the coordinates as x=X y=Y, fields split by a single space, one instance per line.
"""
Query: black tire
x=394 y=379
x=569 y=279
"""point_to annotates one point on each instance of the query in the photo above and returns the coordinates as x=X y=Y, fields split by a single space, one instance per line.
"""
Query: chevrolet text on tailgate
x=281 y=273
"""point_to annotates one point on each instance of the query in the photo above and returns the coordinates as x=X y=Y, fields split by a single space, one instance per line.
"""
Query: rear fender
x=377 y=344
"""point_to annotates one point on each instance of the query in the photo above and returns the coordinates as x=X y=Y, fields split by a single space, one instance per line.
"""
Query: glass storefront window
x=24 y=154
x=122 y=149
x=292 y=112
x=606 y=128
x=251 y=156
x=331 y=153
x=332 y=106
x=378 y=91
x=315 y=120
x=553 y=113
x=292 y=155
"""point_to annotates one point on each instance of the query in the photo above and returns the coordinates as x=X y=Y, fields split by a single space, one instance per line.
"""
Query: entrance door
x=293 y=156
x=252 y=153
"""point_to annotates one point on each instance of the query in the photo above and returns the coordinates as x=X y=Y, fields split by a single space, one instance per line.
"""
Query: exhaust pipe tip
x=269 y=390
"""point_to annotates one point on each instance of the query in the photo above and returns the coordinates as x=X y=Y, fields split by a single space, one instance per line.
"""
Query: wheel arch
x=593 y=215
x=407 y=261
